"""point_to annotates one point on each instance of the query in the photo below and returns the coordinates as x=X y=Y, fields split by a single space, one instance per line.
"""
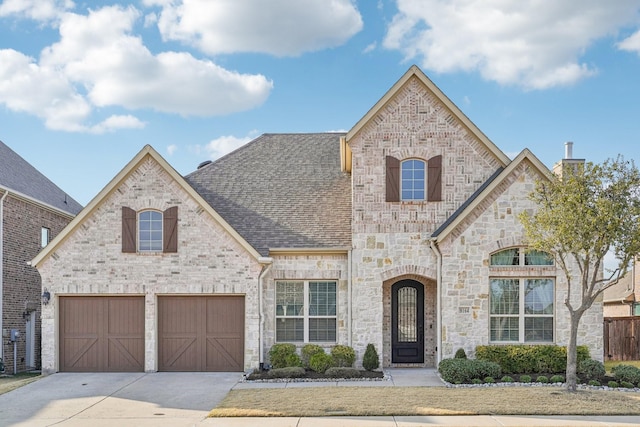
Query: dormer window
x=149 y=231
x=412 y=184
x=413 y=179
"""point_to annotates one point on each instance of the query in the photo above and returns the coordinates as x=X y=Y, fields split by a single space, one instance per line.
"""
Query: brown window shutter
x=393 y=179
x=434 y=179
x=129 y=222
x=170 y=230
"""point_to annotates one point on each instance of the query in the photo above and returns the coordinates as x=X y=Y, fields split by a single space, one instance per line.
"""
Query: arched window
x=521 y=305
x=412 y=184
x=150 y=231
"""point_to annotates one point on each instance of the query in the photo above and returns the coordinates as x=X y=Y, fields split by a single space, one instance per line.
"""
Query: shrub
x=613 y=384
x=320 y=362
x=476 y=381
x=371 y=360
x=542 y=379
x=309 y=350
x=343 y=356
x=626 y=384
x=594 y=383
x=293 y=360
x=279 y=355
x=342 y=372
x=290 y=372
x=462 y=371
x=460 y=354
x=489 y=380
x=521 y=359
x=525 y=378
x=626 y=373
x=589 y=369
x=557 y=379
x=506 y=379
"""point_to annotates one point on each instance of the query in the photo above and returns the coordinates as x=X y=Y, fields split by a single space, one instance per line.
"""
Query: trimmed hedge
x=309 y=350
x=290 y=372
x=626 y=373
x=343 y=356
x=590 y=369
x=370 y=360
x=528 y=359
x=463 y=371
x=342 y=372
x=283 y=355
x=320 y=362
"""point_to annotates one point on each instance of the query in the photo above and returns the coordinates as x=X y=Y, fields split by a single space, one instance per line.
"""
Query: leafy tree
x=581 y=216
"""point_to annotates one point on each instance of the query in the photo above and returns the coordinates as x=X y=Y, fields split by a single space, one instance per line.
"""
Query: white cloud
x=370 y=47
x=99 y=63
x=223 y=145
x=631 y=43
x=39 y=10
x=277 y=27
x=512 y=42
x=171 y=149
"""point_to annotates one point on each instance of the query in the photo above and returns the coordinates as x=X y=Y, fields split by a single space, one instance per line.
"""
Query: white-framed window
x=45 y=236
x=521 y=306
x=306 y=311
x=413 y=180
x=150 y=231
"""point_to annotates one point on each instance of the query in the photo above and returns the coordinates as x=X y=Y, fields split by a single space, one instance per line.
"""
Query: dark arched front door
x=407 y=322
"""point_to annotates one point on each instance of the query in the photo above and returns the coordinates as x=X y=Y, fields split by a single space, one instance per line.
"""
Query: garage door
x=101 y=334
x=204 y=333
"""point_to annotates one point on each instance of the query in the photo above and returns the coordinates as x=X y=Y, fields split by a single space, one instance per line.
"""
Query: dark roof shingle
x=282 y=191
x=17 y=175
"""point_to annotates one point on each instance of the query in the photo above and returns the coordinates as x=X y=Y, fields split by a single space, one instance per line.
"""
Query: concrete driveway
x=122 y=399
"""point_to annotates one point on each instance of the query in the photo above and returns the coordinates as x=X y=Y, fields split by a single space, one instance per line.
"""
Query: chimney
x=568 y=160
x=568 y=150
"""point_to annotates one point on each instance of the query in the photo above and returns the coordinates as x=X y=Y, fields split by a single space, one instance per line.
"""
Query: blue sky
x=85 y=85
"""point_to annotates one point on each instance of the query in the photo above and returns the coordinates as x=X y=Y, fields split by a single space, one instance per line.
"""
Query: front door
x=407 y=322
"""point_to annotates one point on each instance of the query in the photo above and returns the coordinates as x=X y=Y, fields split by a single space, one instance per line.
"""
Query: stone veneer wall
x=23 y=221
x=208 y=261
x=307 y=267
x=466 y=271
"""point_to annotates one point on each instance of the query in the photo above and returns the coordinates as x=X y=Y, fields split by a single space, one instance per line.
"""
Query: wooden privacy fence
x=622 y=338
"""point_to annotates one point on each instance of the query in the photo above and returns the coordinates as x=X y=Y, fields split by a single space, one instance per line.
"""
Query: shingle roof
x=282 y=191
x=16 y=174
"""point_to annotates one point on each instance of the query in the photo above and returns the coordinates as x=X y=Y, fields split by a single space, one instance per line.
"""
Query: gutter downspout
x=349 y=297
x=1 y=267
x=266 y=262
x=434 y=247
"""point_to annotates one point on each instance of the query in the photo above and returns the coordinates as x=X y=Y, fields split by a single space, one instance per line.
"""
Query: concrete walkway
x=185 y=399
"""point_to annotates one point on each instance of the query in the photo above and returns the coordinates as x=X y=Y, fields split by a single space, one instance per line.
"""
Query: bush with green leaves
x=594 y=383
x=556 y=379
x=626 y=373
x=320 y=362
x=370 y=361
x=342 y=372
x=626 y=384
x=462 y=371
x=290 y=372
x=613 y=384
x=343 y=356
x=543 y=379
x=489 y=380
x=506 y=379
x=283 y=355
x=525 y=378
x=589 y=369
x=529 y=359
x=460 y=354
x=309 y=350
x=476 y=381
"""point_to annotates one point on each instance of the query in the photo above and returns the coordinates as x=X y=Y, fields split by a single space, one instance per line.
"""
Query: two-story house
x=33 y=210
x=402 y=232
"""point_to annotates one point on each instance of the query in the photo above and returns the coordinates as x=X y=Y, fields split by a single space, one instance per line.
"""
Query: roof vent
x=205 y=163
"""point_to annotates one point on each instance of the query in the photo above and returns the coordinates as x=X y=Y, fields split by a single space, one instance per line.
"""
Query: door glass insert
x=407 y=308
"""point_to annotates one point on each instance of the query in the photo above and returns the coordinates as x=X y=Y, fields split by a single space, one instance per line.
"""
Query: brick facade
x=21 y=296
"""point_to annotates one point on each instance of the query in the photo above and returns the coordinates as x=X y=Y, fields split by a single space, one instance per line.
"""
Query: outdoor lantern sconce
x=46 y=296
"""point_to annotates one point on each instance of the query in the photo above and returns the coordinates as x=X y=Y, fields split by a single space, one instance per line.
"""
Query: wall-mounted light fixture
x=46 y=296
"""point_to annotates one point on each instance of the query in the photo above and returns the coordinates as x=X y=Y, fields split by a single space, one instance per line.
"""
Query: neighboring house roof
x=113 y=185
x=282 y=191
x=417 y=72
x=19 y=177
x=485 y=191
x=622 y=291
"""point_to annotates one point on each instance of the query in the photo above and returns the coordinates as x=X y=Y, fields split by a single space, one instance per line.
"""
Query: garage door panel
x=99 y=334
x=214 y=323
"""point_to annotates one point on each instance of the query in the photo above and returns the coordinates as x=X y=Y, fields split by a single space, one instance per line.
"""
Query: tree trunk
x=572 y=352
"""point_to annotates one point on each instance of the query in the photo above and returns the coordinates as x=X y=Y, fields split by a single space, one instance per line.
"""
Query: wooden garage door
x=101 y=334
x=203 y=333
